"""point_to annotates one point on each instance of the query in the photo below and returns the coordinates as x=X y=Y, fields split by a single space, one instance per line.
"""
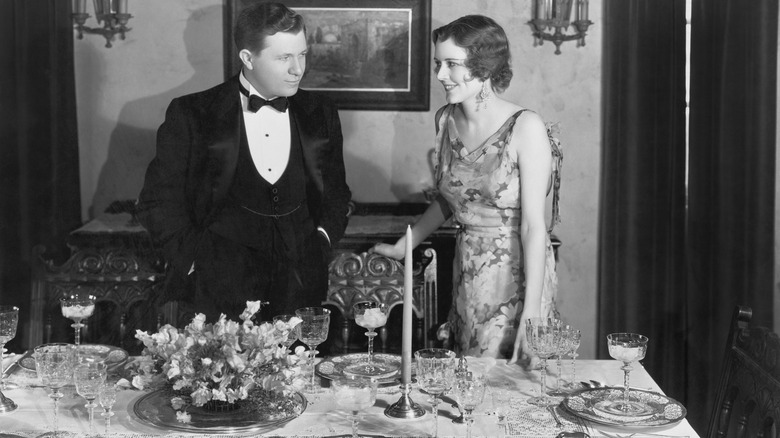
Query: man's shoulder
x=313 y=99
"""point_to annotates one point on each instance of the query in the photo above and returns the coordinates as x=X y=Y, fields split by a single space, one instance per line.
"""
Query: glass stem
x=77 y=329
x=355 y=420
x=370 y=333
x=313 y=353
x=558 y=377
x=90 y=408
x=56 y=397
x=543 y=390
x=626 y=370
x=469 y=421
x=2 y=370
x=435 y=410
x=574 y=368
x=108 y=420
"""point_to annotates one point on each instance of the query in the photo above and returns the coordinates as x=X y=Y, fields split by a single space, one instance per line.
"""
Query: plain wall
x=175 y=48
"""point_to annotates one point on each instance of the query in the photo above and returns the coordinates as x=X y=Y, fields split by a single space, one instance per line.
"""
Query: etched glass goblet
x=627 y=348
x=78 y=307
x=370 y=315
x=313 y=330
x=575 y=336
x=89 y=377
x=435 y=376
x=54 y=365
x=107 y=398
x=354 y=393
x=543 y=336
x=9 y=319
x=469 y=392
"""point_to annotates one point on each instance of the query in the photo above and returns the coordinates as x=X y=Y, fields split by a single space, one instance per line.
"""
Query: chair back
x=354 y=277
x=747 y=403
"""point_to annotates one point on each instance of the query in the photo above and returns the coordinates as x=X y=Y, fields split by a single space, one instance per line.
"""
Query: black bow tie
x=256 y=102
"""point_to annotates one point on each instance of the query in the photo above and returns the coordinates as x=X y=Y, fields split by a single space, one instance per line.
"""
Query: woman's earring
x=483 y=96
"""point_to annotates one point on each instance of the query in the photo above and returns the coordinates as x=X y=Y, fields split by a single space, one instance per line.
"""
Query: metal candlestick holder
x=405 y=407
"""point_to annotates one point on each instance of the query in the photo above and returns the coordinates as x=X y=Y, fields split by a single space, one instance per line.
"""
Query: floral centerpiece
x=221 y=363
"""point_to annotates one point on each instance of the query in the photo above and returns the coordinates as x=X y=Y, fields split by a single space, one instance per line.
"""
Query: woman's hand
x=387 y=250
x=522 y=354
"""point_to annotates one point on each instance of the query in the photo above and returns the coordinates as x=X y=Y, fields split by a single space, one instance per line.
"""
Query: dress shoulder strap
x=557 y=154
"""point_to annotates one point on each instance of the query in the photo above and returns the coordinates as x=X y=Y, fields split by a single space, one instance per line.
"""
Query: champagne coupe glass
x=54 y=365
x=435 y=375
x=543 y=335
x=89 y=377
x=627 y=348
x=354 y=393
x=9 y=318
x=469 y=391
x=107 y=398
x=281 y=323
x=314 y=325
x=369 y=315
x=78 y=307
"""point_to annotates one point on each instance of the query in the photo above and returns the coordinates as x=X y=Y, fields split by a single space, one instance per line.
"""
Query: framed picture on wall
x=363 y=54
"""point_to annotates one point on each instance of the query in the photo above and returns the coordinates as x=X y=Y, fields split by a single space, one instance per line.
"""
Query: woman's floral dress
x=482 y=189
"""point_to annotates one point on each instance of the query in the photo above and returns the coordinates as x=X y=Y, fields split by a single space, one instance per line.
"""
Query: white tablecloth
x=322 y=417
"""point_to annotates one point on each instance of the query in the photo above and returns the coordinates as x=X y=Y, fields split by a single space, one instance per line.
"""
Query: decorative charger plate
x=333 y=367
x=155 y=408
x=110 y=354
x=662 y=410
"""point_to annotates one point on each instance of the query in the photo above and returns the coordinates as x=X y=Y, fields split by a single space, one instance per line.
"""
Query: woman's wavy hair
x=260 y=20
x=486 y=44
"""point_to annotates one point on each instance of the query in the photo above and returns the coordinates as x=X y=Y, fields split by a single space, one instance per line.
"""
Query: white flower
x=206 y=361
x=198 y=322
x=252 y=307
x=139 y=382
x=177 y=403
x=183 y=417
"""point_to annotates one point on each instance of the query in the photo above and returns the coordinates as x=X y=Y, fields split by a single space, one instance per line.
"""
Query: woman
x=494 y=162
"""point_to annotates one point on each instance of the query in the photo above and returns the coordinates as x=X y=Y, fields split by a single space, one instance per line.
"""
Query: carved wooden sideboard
x=112 y=258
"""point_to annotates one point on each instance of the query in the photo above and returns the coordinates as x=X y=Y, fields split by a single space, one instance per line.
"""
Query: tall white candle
x=406 y=344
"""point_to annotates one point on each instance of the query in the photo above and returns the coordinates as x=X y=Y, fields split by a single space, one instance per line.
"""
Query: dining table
x=504 y=411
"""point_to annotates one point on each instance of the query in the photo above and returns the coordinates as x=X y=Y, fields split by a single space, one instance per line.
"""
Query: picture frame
x=363 y=54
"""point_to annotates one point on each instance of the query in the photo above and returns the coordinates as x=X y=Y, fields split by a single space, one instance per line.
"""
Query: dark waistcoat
x=272 y=218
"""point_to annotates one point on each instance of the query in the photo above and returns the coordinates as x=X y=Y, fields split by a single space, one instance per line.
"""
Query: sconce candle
x=79 y=6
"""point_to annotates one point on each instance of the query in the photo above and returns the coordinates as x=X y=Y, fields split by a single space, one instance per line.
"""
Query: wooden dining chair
x=747 y=403
x=354 y=277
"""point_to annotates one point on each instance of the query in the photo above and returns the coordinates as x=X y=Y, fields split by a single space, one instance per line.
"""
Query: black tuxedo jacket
x=197 y=153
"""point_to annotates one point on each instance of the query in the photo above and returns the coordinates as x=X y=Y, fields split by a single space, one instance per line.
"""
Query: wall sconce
x=555 y=14
x=112 y=13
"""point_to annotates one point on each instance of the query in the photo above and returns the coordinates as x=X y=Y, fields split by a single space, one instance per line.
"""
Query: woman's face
x=450 y=67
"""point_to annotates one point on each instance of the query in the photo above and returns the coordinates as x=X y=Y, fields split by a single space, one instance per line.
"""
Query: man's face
x=278 y=68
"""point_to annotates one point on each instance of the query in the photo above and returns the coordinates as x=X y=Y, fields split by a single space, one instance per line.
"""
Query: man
x=247 y=192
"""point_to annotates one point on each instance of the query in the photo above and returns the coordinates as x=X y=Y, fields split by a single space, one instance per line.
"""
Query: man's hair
x=260 y=20
x=486 y=44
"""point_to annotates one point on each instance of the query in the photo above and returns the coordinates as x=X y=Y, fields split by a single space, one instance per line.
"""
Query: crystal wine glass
x=282 y=323
x=78 y=307
x=9 y=318
x=469 y=391
x=54 y=365
x=627 y=348
x=89 y=377
x=370 y=315
x=107 y=398
x=314 y=325
x=543 y=335
x=435 y=376
x=354 y=393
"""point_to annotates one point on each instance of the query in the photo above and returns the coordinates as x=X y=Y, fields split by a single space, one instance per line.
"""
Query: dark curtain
x=642 y=213
x=732 y=179
x=39 y=167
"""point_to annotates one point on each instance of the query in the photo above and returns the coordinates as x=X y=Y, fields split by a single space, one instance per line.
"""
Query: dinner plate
x=110 y=354
x=333 y=367
x=155 y=408
x=588 y=404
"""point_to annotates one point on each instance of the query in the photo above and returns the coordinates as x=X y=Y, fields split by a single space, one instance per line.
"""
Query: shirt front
x=268 y=134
